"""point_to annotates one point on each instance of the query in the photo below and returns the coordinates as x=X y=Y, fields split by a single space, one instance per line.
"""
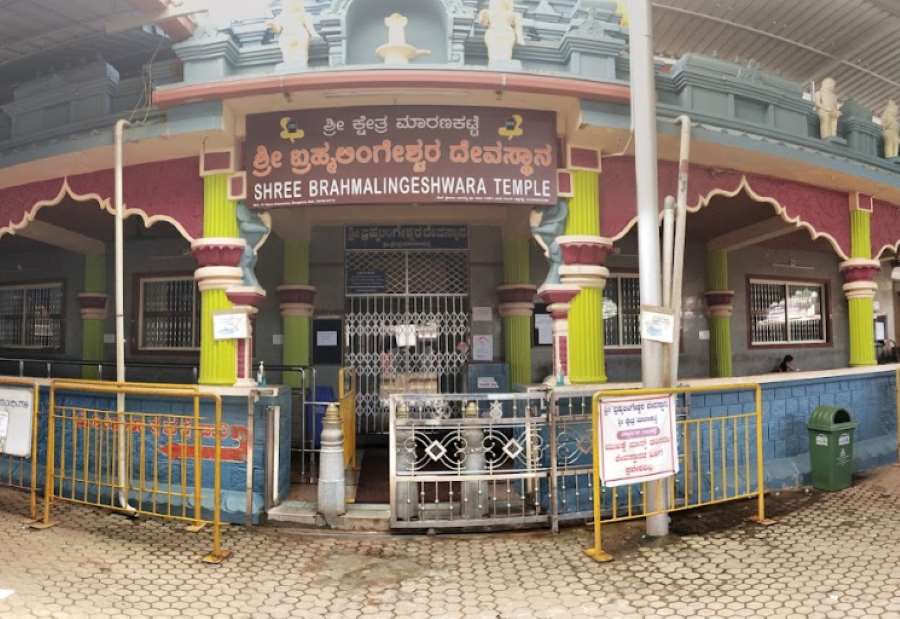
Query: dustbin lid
x=830 y=418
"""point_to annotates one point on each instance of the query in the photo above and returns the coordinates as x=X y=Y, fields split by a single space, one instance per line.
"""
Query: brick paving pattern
x=835 y=556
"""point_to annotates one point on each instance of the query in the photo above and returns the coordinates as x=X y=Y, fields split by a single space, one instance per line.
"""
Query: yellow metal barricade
x=148 y=463
x=710 y=446
x=14 y=467
x=347 y=403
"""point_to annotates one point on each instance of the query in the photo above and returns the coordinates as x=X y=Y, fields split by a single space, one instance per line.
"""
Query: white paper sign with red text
x=637 y=439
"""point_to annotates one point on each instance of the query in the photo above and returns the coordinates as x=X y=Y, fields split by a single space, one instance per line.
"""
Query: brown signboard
x=401 y=154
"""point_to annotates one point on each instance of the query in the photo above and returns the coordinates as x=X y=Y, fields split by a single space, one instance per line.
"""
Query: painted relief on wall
x=423 y=154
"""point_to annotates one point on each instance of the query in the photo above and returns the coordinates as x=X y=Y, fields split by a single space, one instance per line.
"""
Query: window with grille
x=169 y=314
x=622 y=312
x=786 y=312
x=31 y=316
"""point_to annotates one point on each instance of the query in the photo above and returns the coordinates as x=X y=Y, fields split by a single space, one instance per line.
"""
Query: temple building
x=433 y=197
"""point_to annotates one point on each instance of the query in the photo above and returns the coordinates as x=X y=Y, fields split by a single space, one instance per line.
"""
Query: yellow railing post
x=597 y=553
x=35 y=428
x=197 y=432
x=760 y=465
x=51 y=456
x=218 y=554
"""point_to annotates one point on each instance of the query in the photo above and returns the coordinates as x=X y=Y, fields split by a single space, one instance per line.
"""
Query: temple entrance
x=407 y=324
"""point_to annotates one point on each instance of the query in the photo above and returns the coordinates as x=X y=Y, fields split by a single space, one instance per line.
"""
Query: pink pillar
x=557 y=297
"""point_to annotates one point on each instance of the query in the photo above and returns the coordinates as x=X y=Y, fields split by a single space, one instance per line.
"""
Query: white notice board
x=16 y=405
x=231 y=326
x=637 y=439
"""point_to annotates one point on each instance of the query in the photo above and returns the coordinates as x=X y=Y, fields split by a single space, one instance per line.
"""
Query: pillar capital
x=557 y=297
x=719 y=303
x=516 y=299
x=218 y=251
x=296 y=299
x=93 y=305
x=246 y=298
x=859 y=275
x=584 y=257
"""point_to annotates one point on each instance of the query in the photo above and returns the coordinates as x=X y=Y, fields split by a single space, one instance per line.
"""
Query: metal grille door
x=405 y=337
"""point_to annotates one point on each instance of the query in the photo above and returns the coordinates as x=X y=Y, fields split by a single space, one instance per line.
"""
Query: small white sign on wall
x=326 y=338
x=231 y=326
x=703 y=335
x=482 y=347
x=482 y=314
x=16 y=406
x=543 y=323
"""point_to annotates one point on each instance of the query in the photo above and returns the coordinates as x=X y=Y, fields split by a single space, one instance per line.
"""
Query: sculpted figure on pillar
x=253 y=229
x=504 y=30
x=547 y=223
x=828 y=108
x=295 y=29
x=890 y=127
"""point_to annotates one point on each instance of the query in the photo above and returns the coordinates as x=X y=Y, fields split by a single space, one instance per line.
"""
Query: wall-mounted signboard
x=401 y=154
x=406 y=237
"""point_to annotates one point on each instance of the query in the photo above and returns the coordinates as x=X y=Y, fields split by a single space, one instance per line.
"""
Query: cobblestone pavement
x=828 y=556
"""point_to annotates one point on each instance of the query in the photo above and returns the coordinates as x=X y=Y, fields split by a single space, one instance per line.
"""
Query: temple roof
x=852 y=41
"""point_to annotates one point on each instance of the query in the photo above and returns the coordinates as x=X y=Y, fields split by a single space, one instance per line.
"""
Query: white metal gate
x=406 y=337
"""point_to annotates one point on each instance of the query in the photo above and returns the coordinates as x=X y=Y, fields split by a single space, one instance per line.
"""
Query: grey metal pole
x=643 y=112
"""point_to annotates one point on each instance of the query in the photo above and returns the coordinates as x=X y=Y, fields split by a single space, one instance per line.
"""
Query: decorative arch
x=885 y=228
x=822 y=212
x=169 y=191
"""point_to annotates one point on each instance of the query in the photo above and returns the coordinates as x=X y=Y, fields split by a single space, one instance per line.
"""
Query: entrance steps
x=359 y=516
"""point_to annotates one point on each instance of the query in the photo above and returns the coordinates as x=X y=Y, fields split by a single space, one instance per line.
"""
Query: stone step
x=359 y=516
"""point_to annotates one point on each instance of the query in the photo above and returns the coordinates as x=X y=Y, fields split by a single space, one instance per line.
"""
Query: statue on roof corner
x=504 y=30
x=828 y=108
x=295 y=29
x=890 y=128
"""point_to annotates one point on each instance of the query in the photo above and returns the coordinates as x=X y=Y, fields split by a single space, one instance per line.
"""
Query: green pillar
x=719 y=308
x=93 y=313
x=860 y=288
x=585 y=339
x=218 y=364
x=516 y=308
x=296 y=308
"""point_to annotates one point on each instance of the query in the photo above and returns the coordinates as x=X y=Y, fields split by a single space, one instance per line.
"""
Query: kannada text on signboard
x=424 y=154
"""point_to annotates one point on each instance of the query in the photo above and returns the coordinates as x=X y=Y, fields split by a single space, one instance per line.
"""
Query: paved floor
x=828 y=556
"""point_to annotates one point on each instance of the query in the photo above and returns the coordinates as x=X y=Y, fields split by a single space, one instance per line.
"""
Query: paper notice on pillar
x=637 y=439
x=231 y=326
x=657 y=324
x=16 y=406
x=482 y=347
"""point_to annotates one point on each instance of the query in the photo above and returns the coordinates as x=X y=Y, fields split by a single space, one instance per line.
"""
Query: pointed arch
x=822 y=212
x=169 y=191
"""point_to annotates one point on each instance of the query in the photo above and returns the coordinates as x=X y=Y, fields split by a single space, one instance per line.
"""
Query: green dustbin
x=831 y=447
